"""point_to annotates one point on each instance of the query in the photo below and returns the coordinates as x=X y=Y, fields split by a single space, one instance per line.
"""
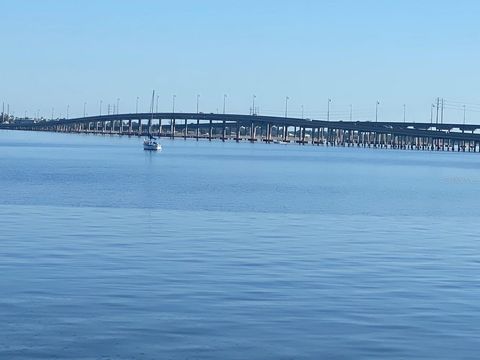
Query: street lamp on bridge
x=136 y=106
x=173 y=101
x=198 y=100
x=224 y=101
x=253 y=104
x=328 y=109
x=84 y=109
x=118 y=104
x=376 y=110
x=286 y=106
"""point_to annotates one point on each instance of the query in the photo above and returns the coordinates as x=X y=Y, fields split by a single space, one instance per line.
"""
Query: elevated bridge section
x=238 y=127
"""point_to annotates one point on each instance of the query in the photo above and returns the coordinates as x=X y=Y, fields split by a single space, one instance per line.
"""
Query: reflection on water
x=234 y=251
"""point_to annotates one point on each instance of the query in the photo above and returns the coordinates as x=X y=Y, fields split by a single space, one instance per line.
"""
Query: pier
x=271 y=129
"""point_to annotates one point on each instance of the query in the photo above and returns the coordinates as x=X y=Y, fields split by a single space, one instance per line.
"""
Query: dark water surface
x=235 y=251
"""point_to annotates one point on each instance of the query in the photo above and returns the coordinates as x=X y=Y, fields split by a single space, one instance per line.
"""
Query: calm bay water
x=235 y=251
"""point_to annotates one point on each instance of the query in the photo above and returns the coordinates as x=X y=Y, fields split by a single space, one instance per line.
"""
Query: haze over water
x=213 y=250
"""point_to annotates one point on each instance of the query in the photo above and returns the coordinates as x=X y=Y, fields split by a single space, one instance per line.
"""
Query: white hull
x=152 y=147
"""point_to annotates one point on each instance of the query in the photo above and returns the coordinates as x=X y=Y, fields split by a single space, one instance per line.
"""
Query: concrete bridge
x=238 y=127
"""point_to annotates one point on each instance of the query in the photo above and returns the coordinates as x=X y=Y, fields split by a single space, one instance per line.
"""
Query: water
x=235 y=251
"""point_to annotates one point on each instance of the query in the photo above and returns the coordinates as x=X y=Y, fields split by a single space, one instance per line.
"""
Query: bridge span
x=238 y=127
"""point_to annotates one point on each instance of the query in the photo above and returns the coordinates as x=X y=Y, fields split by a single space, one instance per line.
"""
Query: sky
x=59 y=53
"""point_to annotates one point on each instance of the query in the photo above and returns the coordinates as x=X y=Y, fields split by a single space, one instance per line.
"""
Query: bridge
x=238 y=127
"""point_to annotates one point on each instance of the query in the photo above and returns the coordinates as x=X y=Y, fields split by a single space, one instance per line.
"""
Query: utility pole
x=442 y=111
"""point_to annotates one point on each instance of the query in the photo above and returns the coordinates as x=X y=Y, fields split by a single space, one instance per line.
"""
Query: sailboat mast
x=151 y=113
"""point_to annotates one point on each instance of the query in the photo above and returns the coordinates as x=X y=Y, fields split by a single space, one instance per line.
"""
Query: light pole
x=224 y=101
x=376 y=110
x=431 y=113
x=198 y=100
x=286 y=106
x=156 y=105
x=173 y=101
x=253 y=104
x=302 y=112
x=464 y=114
x=404 y=111
x=101 y=102
x=328 y=109
x=84 y=109
x=53 y=110
x=118 y=104
x=136 y=106
x=68 y=109
x=351 y=111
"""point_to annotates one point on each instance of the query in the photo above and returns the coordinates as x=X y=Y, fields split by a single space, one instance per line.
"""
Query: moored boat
x=151 y=144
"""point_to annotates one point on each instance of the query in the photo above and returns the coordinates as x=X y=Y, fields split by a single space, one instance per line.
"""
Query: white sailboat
x=151 y=143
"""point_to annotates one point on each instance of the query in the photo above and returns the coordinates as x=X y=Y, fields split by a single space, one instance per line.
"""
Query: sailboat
x=151 y=143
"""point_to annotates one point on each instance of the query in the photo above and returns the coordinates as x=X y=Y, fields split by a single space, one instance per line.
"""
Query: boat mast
x=151 y=113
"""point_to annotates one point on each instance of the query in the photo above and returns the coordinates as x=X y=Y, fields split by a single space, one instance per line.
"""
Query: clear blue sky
x=355 y=52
